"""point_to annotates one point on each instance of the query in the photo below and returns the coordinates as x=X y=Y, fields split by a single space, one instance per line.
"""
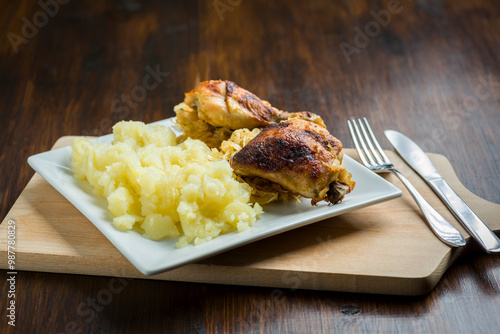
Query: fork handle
x=440 y=226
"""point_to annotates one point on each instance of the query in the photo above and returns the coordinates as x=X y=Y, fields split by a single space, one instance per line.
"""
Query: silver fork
x=373 y=157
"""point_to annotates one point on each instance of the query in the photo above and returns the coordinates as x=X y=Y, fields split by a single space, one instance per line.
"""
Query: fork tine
x=360 y=144
x=375 y=141
x=357 y=145
x=370 y=139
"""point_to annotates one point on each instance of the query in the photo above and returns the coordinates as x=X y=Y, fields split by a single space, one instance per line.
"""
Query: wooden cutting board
x=385 y=248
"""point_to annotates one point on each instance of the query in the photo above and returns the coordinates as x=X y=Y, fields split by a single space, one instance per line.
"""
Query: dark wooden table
x=430 y=69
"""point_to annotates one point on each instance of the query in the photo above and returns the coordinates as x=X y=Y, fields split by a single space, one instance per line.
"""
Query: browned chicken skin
x=224 y=104
x=301 y=156
x=213 y=109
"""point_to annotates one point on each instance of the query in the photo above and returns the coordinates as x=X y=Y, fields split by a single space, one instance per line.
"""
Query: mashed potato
x=162 y=188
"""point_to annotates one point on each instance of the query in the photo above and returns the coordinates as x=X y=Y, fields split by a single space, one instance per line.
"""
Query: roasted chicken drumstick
x=301 y=156
x=215 y=108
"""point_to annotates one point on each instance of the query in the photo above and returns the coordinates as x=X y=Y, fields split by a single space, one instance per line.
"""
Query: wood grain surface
x=429 y=69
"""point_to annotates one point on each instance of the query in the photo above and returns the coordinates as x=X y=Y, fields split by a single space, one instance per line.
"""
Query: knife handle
x=440 y=226
x=474 y=225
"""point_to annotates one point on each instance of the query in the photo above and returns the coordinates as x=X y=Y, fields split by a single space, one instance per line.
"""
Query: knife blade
x=420 y=162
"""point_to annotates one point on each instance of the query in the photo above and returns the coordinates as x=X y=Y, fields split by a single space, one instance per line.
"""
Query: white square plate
x=153 y=257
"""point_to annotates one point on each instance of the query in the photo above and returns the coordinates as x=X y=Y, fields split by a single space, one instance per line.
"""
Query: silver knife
x=420 y=162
